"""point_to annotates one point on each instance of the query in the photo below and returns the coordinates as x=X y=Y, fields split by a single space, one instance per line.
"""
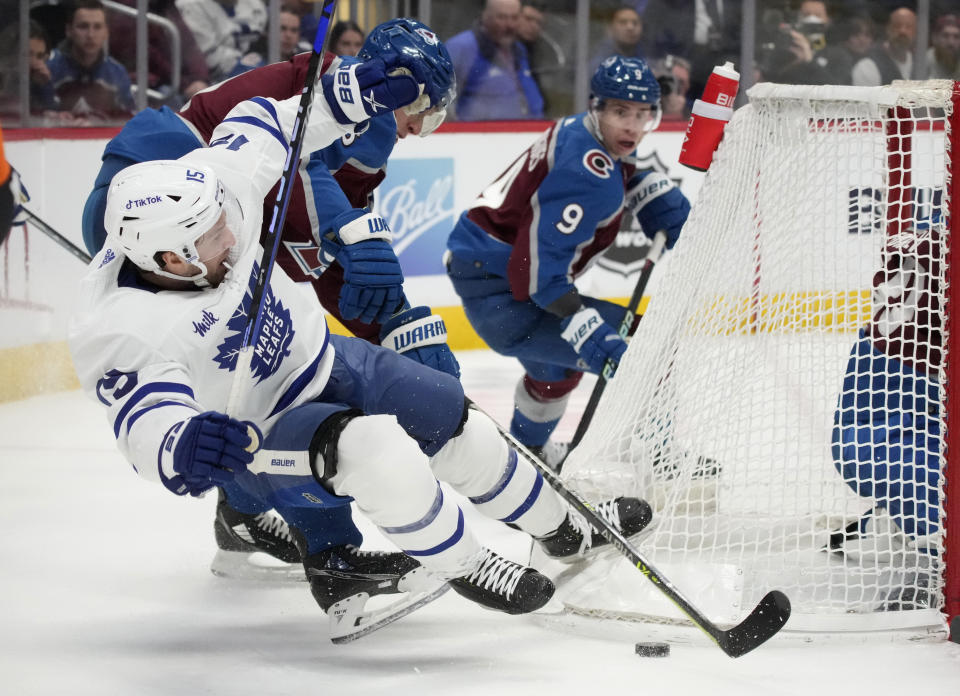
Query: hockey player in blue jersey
x=155 y=339
x=513 y=256
x=359 y=284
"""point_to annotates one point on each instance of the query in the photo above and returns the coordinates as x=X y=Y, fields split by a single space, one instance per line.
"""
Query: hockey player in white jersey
x=156 y=336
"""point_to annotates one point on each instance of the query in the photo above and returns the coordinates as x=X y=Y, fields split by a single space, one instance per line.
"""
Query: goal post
x=785 y=402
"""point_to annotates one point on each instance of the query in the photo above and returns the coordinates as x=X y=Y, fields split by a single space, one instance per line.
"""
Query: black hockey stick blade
x=767 y=618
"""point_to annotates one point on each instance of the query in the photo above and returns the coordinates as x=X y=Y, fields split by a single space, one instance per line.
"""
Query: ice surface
x=105 y=589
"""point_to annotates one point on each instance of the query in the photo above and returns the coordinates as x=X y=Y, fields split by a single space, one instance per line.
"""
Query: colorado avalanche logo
x=270 y=347
x=598 y=163
x=428 y=36
x=309 y=258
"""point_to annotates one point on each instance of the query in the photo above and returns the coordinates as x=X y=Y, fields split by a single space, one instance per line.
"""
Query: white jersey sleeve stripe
x=273 y=129
x=143 y=411
x=142 y=393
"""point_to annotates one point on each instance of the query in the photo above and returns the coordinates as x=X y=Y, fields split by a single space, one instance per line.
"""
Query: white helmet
x=166 y=205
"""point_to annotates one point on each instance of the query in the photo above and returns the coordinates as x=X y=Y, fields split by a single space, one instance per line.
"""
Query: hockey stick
x=271 y=241
x=656 y=249
x=58 y=238
x=766 y=619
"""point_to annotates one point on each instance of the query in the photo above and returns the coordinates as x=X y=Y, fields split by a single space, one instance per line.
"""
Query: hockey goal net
x=723 y=411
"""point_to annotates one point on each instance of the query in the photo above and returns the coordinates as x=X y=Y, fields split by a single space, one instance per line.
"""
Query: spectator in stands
x=848 y=40
x=86 y=80
x=308 y=20
x=290 y=44
x=813 y=21
x=943 y=58
x=224 y=30
x=548 y=63
x=43 y=98
x=893 y=59
x=194 y=75
x=346 y=38
x=673 y=74
x=492 y=68
x=624 y=31
x=788 y=51
x=707 y=32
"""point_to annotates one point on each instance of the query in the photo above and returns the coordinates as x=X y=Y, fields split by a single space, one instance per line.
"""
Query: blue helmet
x=416 y=40
x=630 y=79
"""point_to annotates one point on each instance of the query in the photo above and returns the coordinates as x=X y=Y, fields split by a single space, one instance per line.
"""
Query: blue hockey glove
x=372 y=278
x=20 y=197
x=209 y=449
x=421 y=336
x=658 y=205
x=594 y=340
x=358 y=91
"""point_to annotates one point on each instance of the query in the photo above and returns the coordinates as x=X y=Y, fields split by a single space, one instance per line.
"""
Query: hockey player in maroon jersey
x=886 y=434
x=515 y=253
x=360 y=284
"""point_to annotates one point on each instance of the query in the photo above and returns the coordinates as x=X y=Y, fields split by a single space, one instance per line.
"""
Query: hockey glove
x=373 y=280
x=358 y=91
x=209 y=449
x=658 y=205
x=421 y=336
x=20 y=198
x=594 y=341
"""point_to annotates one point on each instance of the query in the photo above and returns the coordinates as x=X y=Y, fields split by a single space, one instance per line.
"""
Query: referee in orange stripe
x=12 y=195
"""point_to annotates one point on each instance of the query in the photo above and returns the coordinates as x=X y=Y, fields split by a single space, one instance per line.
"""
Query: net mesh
x=819 y=232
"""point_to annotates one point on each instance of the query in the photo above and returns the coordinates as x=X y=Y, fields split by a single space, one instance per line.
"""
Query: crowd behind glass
x=514 y=59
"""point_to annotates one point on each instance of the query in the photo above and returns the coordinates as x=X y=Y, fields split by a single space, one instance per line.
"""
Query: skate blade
x=255 y=567
x=349 y=621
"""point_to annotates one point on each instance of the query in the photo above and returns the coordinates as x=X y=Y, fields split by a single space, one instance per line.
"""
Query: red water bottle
x=710 y=114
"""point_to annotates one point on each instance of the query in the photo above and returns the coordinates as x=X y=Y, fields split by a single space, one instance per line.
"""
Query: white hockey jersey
x=155 y=357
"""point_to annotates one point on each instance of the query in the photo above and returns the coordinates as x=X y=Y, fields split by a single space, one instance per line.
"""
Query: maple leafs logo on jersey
x=272 y=344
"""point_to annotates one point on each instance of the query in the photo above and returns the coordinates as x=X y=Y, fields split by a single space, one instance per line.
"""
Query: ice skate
x=503 y=585
x=552 y=453
x=876 y=538
x=574 y=537
x=667 y=466
x=254 y=547
x=344 y=578
x=914 y=594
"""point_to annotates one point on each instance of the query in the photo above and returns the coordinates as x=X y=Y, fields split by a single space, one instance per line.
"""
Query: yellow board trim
x=460 y=333
x=40 y=368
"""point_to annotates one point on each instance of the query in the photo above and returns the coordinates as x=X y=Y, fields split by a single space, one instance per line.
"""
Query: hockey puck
x=652 y=649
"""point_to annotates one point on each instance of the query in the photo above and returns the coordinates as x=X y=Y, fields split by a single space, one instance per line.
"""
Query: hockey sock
x=502 y=485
